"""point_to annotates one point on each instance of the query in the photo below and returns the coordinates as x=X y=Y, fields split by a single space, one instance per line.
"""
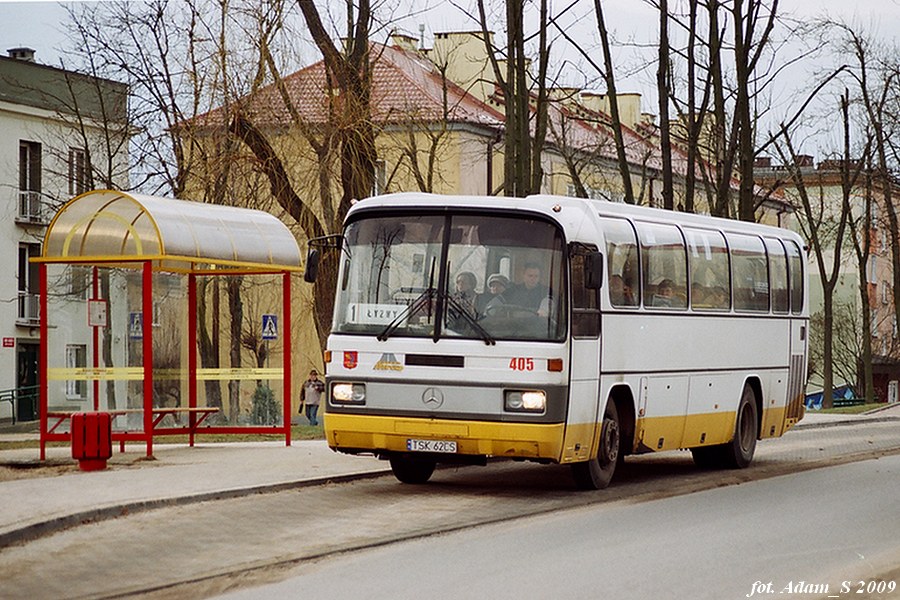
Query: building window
x=30 y=181
x=76 y=358
x=885 y=292
x=79 y=171
x=28 y=284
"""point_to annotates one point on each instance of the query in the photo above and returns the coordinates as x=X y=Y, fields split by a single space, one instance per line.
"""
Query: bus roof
x=572 y=213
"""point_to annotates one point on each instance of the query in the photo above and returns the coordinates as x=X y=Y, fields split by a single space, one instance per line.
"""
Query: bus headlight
x=348 y=393
x=525 y=401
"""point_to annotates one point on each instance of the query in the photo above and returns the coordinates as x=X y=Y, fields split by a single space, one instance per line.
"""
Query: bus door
x=797 y=373
x=584 y=363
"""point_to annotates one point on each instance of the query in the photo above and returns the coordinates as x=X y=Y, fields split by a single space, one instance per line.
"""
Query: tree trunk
x=664 y=91
x=236 y=310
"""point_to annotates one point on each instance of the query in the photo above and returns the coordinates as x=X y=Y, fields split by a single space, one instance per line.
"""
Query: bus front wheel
x=412 y=469
x=597 y=473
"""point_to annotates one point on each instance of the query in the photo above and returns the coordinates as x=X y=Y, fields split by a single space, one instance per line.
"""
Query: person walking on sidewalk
x=310 y=394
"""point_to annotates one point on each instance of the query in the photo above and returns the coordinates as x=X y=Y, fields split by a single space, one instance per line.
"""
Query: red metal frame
x=153 y=416
x=95 y=295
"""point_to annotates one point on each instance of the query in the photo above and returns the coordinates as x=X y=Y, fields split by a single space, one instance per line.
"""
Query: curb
x=843 y=423
x=56 y=524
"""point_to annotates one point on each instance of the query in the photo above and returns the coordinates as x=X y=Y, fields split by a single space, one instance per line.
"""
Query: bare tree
x=825 y=226
x=879 y=92
x=612 y=92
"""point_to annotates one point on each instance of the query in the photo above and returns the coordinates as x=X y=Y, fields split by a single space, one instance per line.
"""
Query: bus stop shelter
x=103 y=329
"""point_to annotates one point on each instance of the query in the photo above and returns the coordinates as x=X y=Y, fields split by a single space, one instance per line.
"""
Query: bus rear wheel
x=597 y=473
x=412 y=469
x=738 y=453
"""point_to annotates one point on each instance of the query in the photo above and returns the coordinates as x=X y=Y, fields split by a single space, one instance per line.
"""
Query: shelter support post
x=286 y=353
x=95 y=337
x=43 y=357
x=192 y=354
x=147 y=331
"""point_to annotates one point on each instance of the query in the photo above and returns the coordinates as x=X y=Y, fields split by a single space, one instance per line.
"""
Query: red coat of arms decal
x=351 y=359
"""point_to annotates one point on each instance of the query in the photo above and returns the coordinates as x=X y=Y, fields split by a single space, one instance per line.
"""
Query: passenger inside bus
x=462 y=301
x=464 y=296
x=497 y=285
x=620 y=293
x=664 y=293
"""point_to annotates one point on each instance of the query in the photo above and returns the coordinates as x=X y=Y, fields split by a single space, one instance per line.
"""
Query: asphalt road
x=206 y=549
x=807 y=535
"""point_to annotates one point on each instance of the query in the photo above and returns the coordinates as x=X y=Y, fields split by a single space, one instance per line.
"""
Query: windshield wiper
x=423 y=299
x=488 y=339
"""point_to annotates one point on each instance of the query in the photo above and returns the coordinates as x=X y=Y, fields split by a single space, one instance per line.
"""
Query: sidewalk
x=178 y=474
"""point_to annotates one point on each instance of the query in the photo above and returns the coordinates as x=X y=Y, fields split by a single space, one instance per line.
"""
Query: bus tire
x=597 y=473
x=738 y=453
x=412 y=469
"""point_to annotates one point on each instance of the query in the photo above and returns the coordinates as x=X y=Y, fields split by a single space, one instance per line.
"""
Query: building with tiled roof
x=440 y=105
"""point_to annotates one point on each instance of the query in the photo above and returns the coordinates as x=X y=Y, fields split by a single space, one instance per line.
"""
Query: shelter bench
x=198 y=414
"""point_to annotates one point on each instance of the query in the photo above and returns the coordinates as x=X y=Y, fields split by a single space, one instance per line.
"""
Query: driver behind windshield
x=530 y=293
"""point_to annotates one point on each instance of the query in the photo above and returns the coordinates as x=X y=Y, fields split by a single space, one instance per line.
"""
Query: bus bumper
x=356 y=434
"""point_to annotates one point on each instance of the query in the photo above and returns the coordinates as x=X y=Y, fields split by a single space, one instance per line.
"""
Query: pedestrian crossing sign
x=136 y=325
x=270 y=327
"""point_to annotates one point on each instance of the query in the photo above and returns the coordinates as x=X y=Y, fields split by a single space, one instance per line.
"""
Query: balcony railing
x=32 y=208
x=29 y=309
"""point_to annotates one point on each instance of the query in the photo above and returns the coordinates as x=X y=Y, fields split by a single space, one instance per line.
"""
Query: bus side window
x=664 y=262
x=778 y=274
x=710 y=283
x=621 y=263
x=795 y=261
x=585 y=311
x=750 y=273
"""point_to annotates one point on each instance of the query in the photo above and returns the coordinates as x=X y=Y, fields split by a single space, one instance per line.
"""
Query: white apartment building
x=59 y=129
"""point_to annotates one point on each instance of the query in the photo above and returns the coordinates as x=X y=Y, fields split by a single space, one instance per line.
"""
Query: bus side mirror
x=593 y=267
x=312 y=266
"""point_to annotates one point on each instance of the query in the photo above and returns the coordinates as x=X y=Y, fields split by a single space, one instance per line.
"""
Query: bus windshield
x=487 y=277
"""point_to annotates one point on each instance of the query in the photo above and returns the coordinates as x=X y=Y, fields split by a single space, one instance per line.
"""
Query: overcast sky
x=39 y=25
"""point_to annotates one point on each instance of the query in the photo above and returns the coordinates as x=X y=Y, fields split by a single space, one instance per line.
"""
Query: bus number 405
x=521 y=364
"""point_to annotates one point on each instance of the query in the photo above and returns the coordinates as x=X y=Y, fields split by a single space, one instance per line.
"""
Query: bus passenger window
x=621 y=263
x=750 y=273
x=795 y=261
x=710 y=282
x=778 y=274
x=664 y=265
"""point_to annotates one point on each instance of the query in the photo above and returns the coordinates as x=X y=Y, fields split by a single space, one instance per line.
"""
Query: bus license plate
x=442 y=446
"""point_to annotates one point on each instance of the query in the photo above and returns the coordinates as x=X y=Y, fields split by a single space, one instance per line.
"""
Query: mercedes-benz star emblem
x=433 y=398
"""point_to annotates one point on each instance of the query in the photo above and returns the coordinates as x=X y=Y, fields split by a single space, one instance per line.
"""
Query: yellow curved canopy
x=110 y=226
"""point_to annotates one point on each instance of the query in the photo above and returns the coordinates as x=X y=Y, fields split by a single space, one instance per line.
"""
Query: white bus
x=613 y=330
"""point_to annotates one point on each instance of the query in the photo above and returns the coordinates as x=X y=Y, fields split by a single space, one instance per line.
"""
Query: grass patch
x=850 y=410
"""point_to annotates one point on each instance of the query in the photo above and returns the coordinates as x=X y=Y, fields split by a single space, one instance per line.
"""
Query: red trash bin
x=91 y=439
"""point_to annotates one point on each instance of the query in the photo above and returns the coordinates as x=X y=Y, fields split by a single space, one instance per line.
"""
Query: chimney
x=26 y=54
